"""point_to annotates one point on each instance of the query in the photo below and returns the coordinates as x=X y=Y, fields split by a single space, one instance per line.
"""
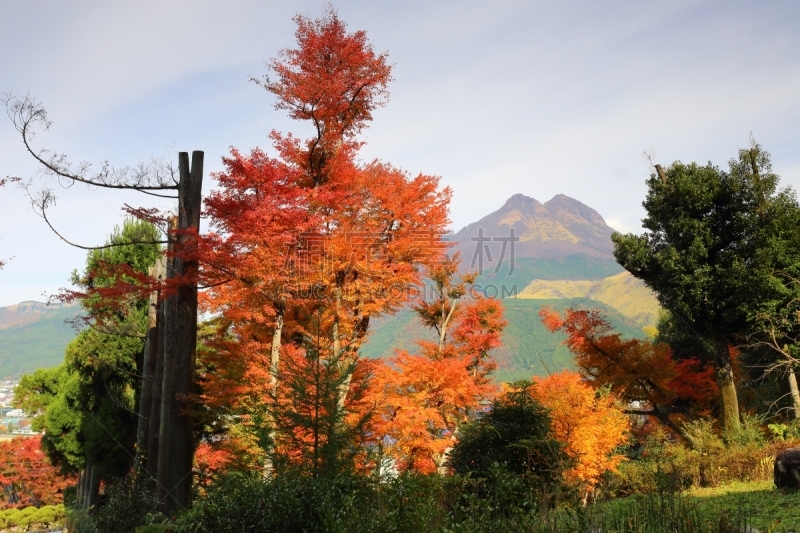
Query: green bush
x=80 y=521
x=32 y=516
x=515 y=434
x=238 y=503
x=749 y=433
x=48 y=515
x=433 y=503
x=128 y=503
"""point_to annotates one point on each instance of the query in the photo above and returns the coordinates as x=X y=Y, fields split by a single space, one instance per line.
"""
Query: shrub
x=129 y=503
x=703 y=461
x=514 y=436
x=48 y=515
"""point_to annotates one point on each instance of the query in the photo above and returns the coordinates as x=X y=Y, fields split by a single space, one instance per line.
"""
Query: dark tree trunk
x=148 y=372
x=79 y=488
x=93 y=486
x=165 y=320
x=176 y=446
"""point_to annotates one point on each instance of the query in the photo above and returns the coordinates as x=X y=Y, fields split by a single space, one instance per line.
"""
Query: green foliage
x=711 y=243
x=128 y=503
x=749 y=433
x=139 y=257
x=785 y=432
x=514 y=434
x=244 y=504
x=86 y=405
x=62 y=440
x=36 y=391
x=31 y=516
x=704 y=460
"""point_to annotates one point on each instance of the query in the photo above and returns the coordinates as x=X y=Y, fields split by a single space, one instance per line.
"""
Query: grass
x=757 y=503
x=765 y=506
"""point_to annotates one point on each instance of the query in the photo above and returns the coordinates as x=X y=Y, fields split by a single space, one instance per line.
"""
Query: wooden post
x=176 y=445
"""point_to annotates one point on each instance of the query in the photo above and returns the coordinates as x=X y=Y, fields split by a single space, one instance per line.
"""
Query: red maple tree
x=308 y=246
x=26 y=476
x=424 y=397
x=637 y=370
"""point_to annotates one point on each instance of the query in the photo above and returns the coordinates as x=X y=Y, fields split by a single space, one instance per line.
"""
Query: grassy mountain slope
x=33 y=335
x=622 y=292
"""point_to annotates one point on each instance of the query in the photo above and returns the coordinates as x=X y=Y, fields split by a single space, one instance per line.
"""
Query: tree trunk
x=148 y=371
x=164 y=322
x=93 y=495
x=795 y=393
x=79 y=488
x=275 y=355
x=729 y=401
x=176 y=443
x=275 y=359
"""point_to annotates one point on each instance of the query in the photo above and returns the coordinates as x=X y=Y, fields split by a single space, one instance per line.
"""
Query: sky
x=496 y=98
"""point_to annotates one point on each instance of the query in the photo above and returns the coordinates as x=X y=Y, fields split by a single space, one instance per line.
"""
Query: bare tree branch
x=44 y=198
x=27 y=115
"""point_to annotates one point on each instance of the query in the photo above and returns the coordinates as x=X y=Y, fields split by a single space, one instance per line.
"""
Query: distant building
x=16 y=413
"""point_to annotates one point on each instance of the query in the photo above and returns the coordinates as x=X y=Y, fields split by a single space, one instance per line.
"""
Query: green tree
x=710 y=252
x=86 y=407
x=514 y=435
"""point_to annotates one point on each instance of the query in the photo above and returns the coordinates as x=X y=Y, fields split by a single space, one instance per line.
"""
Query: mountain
x=556 y=254
x=34 y=335
x=559 y=228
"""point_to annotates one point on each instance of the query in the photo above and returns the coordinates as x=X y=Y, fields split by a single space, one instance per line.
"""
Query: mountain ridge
x=562 y=258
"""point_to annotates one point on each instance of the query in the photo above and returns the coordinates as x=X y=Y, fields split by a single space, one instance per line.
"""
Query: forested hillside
x=34 y=335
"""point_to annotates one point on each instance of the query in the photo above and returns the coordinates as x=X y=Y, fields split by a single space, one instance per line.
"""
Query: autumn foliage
x=26 y=475
x=636 y=370
x=308 y=246
x=424 y=397
x=590 y=425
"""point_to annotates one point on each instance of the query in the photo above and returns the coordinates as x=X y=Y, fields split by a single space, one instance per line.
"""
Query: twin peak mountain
x=562 y=250
x=557 y=229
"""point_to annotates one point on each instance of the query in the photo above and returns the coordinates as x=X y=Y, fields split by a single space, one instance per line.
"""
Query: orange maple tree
x=308 y=246
x=636 y=370
x=26 y=475
x=424 y=397
x=591 y=426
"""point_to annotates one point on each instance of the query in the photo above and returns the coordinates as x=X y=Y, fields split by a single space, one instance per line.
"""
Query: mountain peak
x=520 y=201
x=560 y=227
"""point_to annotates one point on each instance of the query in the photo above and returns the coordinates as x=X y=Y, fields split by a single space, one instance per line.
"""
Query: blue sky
x=497 y=98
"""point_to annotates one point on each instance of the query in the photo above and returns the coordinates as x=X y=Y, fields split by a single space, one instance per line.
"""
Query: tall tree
x=307 y=247
x=179 y=329
x=88 y=404
x=709 y=252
